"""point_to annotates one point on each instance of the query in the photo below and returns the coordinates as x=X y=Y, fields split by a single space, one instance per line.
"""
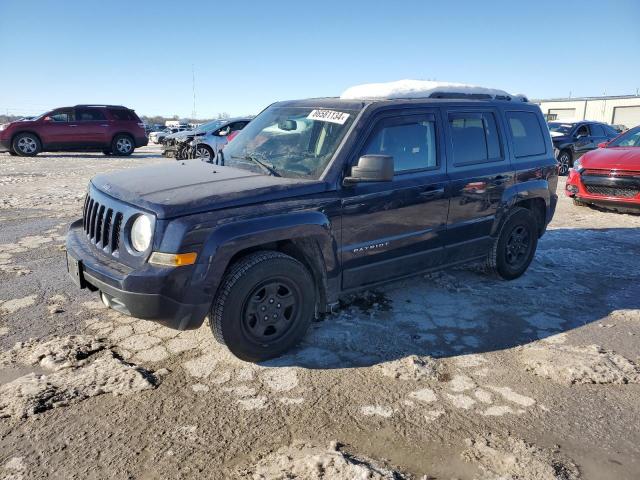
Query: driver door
x=584 y=141
x=395 y=228
x=59 y=129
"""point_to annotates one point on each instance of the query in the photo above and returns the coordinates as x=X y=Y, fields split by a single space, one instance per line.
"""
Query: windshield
x=207 y=127
x=564 y=128
x=290 y=141
x=628 y=139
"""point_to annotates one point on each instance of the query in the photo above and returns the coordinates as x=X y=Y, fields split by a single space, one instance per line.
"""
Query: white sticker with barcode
x=329 y=116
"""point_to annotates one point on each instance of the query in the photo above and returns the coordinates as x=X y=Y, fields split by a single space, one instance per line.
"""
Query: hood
x=181 y=133
x=183 y=188
x=619 y=158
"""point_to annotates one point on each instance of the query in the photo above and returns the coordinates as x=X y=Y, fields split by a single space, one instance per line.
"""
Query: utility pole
x=193 y=83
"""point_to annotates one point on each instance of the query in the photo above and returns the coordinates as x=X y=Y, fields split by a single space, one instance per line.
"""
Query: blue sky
x=248 y=54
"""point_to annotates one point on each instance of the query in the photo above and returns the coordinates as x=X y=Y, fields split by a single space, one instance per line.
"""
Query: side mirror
x=223 y=133
x=603 y=144
x=371 y=168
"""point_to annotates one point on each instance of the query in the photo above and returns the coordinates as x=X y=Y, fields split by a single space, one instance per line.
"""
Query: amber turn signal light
x=173 y=259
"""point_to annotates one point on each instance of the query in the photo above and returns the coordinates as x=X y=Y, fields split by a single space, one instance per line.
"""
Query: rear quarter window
x=124 y=115
x=527 y=135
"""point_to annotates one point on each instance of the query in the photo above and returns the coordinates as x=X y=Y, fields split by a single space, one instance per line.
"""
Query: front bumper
x=5 y=145
x=153 y=293
x=606 y=191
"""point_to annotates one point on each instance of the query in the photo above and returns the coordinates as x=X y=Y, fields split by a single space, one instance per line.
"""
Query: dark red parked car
x=609 y=176
x=110 y=129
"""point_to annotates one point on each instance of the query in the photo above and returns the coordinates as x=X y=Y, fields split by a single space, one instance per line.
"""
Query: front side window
x=411 y=143
x=582 y=131
x=628 y=139
x=596 y=130
x=293 y=141
x=89 y=115
x=474 y=138
x=528 y=139
x=62 y=116
x=561 y=128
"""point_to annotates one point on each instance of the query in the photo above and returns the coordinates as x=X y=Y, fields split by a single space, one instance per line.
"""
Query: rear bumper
x=142 y=141
x=160 y=294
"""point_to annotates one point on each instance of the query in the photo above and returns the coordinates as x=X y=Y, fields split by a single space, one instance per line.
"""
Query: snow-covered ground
x=450 y=375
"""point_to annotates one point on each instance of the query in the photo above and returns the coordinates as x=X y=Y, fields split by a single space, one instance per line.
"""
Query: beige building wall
x=602 y=109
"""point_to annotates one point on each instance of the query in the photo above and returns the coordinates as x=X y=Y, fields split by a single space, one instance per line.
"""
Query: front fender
x=227 y=240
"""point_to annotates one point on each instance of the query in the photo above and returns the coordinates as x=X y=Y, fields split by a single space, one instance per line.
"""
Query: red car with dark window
x=609 y=176
x=111 y=129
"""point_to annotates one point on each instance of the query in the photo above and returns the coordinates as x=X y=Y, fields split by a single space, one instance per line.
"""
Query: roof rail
x=478 y=96
x=101 y=105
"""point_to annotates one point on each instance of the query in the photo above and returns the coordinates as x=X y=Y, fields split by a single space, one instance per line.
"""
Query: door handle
x=104 y=125
x=73 y=125
x=431 y=193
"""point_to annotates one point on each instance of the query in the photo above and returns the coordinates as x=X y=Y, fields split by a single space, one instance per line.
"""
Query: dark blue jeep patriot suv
x=313 y=199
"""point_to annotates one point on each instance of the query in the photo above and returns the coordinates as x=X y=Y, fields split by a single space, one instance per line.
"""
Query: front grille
x=102 y=225
x=612 y=191
x=610 y=173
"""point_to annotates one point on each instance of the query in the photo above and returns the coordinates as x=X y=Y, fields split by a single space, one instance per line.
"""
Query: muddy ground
x=448 y=375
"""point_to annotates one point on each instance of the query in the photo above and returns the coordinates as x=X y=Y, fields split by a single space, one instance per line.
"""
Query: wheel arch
x=533 y=195
x=305 y=236
x=32 y=132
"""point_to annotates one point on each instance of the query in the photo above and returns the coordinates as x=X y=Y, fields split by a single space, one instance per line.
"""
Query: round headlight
x=141 y=233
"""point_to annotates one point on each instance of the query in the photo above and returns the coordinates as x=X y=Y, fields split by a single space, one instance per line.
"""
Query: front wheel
x=515 y=246
x=564 y=162
x=204 y=153
x=264 y=306
x=26 y=145
x=122 y=145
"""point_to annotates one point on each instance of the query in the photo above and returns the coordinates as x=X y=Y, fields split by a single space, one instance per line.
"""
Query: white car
x=211 y=137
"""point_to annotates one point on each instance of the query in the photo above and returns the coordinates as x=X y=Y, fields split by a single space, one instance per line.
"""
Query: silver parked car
x=211 y=137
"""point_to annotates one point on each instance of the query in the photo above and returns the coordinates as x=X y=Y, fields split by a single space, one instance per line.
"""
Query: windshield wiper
x=270 y=169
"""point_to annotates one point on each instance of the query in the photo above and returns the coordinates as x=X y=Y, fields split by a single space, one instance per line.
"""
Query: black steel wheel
x=515 y=246
x=263 y=306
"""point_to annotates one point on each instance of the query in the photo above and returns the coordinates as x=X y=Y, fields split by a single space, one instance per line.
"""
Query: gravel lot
x=448 y=375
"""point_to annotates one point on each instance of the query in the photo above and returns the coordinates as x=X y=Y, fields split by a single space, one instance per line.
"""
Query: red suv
x=111 y=129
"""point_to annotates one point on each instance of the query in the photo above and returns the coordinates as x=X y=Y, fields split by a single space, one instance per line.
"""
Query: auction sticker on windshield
x=328 y=116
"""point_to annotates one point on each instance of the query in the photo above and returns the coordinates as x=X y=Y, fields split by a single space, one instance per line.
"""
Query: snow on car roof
x=421 y=89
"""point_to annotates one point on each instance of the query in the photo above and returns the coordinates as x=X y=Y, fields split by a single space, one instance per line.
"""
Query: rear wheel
x=26 y=145
x=264 y=306
x=564 y=162
x=122 y=145
x=12 y=153
x=515 y=246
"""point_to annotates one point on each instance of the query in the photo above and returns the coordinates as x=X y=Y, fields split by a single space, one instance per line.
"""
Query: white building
x=621 y=110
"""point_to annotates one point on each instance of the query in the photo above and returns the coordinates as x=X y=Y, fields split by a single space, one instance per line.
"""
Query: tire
x=26 y=145
x=122 y=145
x=514 y=248
x=205 y=153
x=261 y=284
x=12 y=153
x=565 y=162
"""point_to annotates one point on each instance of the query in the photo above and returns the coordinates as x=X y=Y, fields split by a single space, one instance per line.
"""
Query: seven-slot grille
x=102 y=225
x=612 y=191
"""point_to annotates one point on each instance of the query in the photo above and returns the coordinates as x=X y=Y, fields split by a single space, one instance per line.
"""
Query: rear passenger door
x=480 y=171
x=391 y=229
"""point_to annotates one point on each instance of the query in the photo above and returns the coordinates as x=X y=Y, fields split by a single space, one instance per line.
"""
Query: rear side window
x=474 y=138
x=89 y=114
x=122 y=114
x=412 y=144
x=528 y=139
